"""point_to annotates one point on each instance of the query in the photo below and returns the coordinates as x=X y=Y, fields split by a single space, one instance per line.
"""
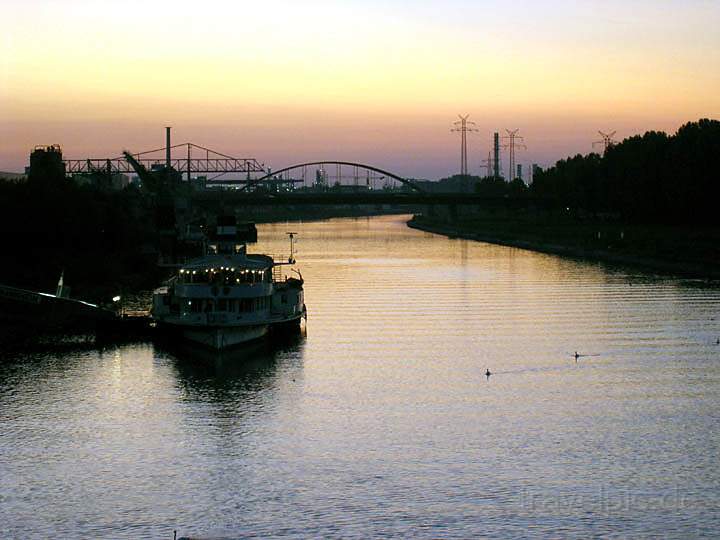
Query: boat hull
x=225 y=337
x=220 y=338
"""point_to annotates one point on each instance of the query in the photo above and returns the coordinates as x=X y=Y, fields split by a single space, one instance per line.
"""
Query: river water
x=379 y=421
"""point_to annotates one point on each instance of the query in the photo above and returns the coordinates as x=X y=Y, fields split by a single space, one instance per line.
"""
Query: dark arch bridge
x=269 y=177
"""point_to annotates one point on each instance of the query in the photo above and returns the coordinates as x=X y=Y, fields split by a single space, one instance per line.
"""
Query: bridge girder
x=212 y=162
x=194 y=165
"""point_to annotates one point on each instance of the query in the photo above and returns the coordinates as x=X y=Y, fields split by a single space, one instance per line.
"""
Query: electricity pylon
x=463 y=126
x=607 y=140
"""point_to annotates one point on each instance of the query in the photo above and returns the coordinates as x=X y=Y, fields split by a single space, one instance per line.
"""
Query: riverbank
x=670 y=250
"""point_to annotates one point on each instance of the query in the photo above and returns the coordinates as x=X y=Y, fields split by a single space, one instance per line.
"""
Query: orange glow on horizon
x=310 y=82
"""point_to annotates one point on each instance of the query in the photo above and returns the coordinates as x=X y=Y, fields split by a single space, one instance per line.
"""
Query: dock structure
x=129 y=325
x=25 y=314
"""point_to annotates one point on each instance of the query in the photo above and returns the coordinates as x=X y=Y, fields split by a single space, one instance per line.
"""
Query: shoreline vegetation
x=102 y=242
x=681 y=251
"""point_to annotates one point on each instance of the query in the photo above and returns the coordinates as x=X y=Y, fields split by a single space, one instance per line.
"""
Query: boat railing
x=278 y=262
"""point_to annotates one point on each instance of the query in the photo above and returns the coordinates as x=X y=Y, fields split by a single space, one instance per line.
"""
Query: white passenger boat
x=229 y=297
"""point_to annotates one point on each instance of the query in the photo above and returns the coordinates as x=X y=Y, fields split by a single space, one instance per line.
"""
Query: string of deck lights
x=256 y=275
x=222 y=268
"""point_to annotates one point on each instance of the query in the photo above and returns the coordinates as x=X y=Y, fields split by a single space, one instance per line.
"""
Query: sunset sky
x=373 y=81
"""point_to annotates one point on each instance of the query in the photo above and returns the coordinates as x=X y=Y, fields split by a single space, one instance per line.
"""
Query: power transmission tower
x=463 y=126
x=607 y=140
x=512 y=138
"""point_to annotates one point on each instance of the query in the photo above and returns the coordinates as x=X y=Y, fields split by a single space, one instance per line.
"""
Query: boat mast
x=291 y=259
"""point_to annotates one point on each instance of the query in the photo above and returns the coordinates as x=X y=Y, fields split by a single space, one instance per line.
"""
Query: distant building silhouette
x=46 y=164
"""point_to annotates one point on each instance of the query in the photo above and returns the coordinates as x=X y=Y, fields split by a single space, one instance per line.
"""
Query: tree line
x=650 y=178
x=101 y=240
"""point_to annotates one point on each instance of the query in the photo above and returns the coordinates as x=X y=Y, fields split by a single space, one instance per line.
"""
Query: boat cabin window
x=224 y=276
x=242 y=305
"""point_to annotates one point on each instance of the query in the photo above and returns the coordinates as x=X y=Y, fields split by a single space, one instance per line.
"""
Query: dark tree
x=653 y=178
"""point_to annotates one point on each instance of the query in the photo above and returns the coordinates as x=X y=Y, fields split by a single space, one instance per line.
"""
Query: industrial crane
x=156 y=179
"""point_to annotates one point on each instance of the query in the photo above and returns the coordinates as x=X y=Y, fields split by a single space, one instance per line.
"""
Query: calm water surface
x=379 y=421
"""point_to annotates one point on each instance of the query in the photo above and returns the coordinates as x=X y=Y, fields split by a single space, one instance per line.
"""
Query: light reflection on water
x=379 y=420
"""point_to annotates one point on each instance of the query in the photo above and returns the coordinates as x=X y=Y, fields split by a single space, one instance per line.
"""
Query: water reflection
x=382 y=421
x=220 y=375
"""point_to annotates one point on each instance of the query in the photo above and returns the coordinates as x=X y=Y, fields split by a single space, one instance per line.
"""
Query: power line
x=512 y=138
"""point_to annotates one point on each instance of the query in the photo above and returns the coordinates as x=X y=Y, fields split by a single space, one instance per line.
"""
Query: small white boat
x=229 y=297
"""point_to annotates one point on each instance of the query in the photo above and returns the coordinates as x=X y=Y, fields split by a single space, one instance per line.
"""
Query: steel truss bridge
x=210 y=162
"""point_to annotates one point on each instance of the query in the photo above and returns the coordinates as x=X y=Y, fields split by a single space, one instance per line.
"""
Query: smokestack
x=496 y=155
x=167 y=148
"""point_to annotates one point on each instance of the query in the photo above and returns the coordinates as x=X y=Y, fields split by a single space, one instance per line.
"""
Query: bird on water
x=578 y=355
x=487 y=373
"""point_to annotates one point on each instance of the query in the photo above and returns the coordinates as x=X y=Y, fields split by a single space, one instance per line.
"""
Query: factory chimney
x=496 y=155
x=167 y=148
